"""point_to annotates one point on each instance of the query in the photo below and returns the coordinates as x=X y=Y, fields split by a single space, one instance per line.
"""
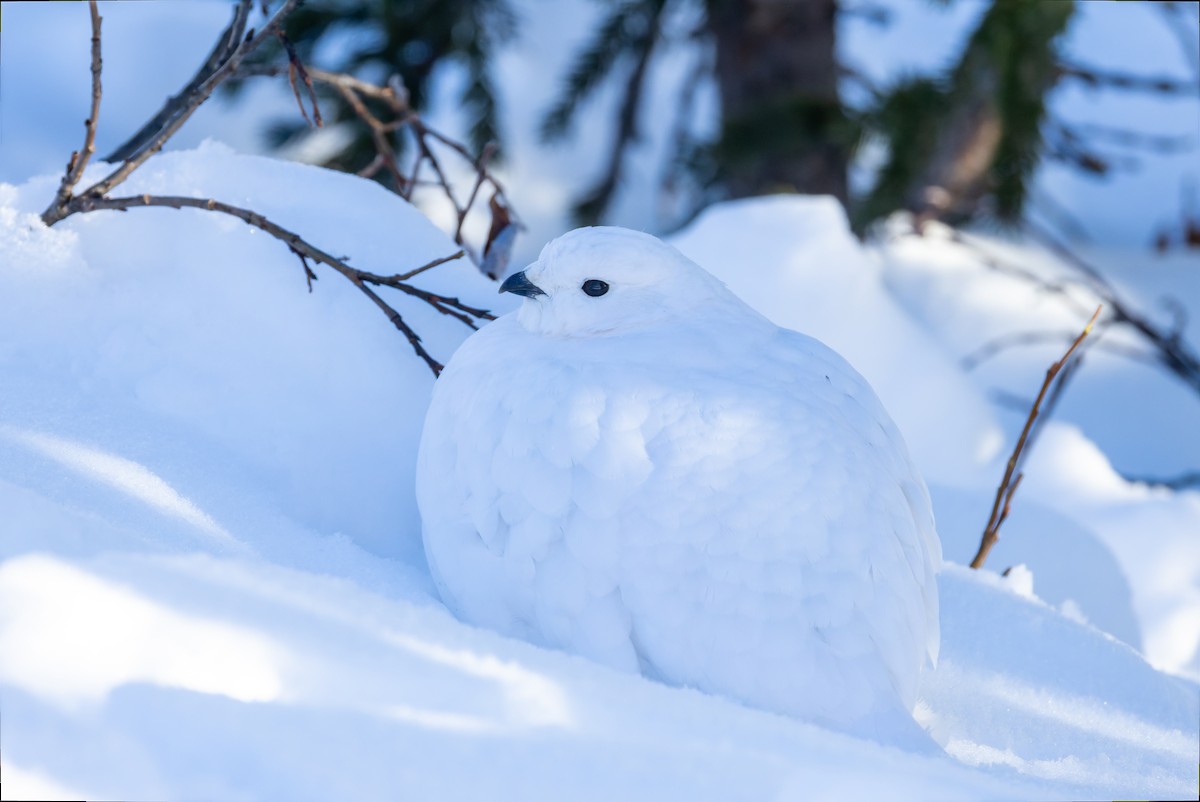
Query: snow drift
x=211 y=582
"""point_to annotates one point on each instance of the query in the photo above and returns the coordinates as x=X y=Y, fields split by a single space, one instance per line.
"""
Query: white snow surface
x=661 y=479
x=212 y=584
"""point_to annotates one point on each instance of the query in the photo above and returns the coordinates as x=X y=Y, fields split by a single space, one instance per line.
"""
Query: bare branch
x=1170 y=348
x=385 y=154
x=1127 y=138
x=1121 y=80
x=296 y=69
x=227 y=42
x=1012 y=479
x=1063 y=289
x=439 y=261
x=309 y=275
x=480 y=174
x=193 y=101
x=79 y=159
x=225 y=62
x=393 y=96
x=1183 y=481
x=1000 y=344
x=304 y=249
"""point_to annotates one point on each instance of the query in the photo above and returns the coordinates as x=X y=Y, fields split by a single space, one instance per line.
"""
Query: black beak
x=519 y=284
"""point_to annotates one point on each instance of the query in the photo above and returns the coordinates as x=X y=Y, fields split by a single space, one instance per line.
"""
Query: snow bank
x=210 y=577
x=1117 y=413
x=169 y=331
x=795 y=260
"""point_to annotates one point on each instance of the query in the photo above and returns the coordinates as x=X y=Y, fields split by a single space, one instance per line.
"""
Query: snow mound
x=206 y=484
x=795 y=260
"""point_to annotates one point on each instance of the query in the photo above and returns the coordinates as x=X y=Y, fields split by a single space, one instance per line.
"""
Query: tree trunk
x=777 y=72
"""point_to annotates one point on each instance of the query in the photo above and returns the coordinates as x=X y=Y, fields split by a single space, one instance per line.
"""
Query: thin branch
x=1128 y=138
x=439 y=261
x=393 y=96
x=296 y=69
x=223 y=63
x=227 y=42
x=1063 y=289
x=385 y=154
x=309 y=275
x=1122 y=80
x=79 y=159
x=304 y=249
x=1012 y=479
x=1172 y=351
x=489 y=151
x=192 y=103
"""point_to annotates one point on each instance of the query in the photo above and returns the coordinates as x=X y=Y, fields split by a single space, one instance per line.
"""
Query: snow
x=212 y=584
x=1117 y=411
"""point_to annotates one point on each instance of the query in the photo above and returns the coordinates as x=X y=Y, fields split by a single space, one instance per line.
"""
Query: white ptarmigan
x=639 y=468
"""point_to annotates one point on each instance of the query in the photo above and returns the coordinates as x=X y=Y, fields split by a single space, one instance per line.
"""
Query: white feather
x=660 y=479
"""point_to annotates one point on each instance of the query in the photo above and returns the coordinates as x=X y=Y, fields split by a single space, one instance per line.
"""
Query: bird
x=638 y=468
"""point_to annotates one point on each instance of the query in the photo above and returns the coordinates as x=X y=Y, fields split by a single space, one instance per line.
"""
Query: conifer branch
x=591 y=207
x=1097 y=77
x=593 y=64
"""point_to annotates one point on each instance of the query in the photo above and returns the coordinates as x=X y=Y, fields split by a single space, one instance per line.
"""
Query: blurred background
x=1080 y=116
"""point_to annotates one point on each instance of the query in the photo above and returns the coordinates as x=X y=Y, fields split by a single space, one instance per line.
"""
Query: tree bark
x=777 y=74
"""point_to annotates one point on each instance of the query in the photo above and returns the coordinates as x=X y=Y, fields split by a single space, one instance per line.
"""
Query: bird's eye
x=595 y=287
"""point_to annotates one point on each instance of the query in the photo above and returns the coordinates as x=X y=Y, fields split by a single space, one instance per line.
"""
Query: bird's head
x=606 y=280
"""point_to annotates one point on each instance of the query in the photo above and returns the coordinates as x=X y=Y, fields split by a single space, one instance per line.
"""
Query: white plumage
x=662 y=480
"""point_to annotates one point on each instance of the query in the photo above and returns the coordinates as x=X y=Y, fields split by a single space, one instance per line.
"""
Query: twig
x=79 y=159
x=309 y=275
x=385 y=154
x=193 y=101
x=296 y=69
x=1171 y=351
x=227 y=42
x=489 y=151
x=1126 y=137
x=304 y=249
x=1008 y=485
x=394 y=98
x=1060 y=288
x=1123 y=80
x=434 y=263
x=232 y=47
x=998 y=345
